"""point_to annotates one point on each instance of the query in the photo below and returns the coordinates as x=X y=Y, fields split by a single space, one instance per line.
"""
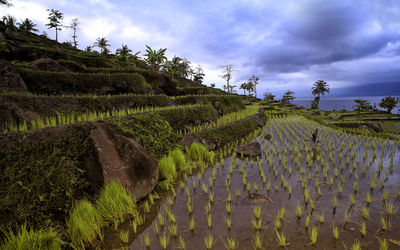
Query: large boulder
x=122 y=158
x=252 y=149
x=47 y=64
x=375 y=126
x=188 y=140
x=10 y=80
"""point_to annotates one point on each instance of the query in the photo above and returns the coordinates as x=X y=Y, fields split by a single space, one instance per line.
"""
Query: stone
x=209 y=145
x=47 y=64
x=268 y=137
x=122 y=158
x=252 y=149
x=216 y=104
x=375 y=126
x=10 y=80
x=188 y=140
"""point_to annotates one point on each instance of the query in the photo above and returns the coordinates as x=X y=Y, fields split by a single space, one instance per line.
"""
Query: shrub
x=30 y=239
x=167 y=168
x=115 y=202
x=84 y=225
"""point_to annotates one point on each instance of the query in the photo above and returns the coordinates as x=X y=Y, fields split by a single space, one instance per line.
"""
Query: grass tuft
x=167 y=168
x=84 y=225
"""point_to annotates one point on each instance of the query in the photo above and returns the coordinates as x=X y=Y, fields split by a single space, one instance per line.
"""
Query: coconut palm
x=27 y=26
x=102 y=44
x=319 y=88
x=55 y=17
x=10 y=22
x=123 y=51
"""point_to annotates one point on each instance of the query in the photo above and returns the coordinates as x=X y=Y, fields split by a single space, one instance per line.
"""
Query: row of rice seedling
x=70 y=118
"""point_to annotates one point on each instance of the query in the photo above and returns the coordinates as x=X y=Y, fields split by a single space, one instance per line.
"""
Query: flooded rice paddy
x=328 y=195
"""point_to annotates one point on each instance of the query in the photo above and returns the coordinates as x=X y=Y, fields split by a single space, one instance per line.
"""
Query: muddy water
x=271 y=198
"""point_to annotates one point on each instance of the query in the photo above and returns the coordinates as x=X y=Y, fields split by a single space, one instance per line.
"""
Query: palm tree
x=102 y=43
x=10 y=22
x=123 y=51
x=27 y=26
x=319 y=87
x=244 y=87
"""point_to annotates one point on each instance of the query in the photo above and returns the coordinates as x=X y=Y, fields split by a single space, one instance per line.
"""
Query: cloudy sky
x=288 y=44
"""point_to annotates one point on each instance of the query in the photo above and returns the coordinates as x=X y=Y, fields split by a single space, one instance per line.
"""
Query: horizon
x=288 y=45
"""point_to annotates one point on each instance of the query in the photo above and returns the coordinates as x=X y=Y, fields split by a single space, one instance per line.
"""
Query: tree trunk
x=56 y=34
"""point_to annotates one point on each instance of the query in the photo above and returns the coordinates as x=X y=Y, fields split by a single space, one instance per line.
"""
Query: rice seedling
x=307 y=223
x=257 y=224
x=147 y=240
x=207 y=208
x=365 y=212
x=209 y=241
x=352 y=200
x=230 y=244
x=25 y=238
x=257 y=241
x=383 y=244
x=298 y=211
x=209 y=220
x=170 y=215
x=313 y=235
x=346 y=218
x=164 y=241
x=156 y=228
x=335 y=231
x=237 y=193
x=114 y=202
x=191 y=224
x=167 y=168
x=281 y=213
x=146 y=207
x=368 y=198
x=257 y=212
x=205 y=188
x=211 y=197
x=281 y=239
x=161 y=219
x=390 y=209
x=124 y=236
x=173 y=230
x=363 y=229
x=84 y=224
x=321 y=218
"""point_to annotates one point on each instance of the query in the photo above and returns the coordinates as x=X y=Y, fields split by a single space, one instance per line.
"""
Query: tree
x=254 y=81
x=5 y=2
x=362 y=106
x=227 y=72
x=10 y=23
x=288 y=96
x=102 y=44
x=27 y=26
x=124 y=51
x=88 y=49
x=155 y=58
x=244 y=87
x=389 y=103
x=199 y=74
x=319 y=88
x=269 y=97
x=74 y=27
x=55 y=16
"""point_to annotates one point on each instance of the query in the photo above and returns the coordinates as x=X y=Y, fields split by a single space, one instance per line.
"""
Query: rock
x=268 y=137
x=188 y=139
x=209 y=145
x=122 y=158
x=216 y=104
x=47 y=64
x=197 y=122
x=188 y=127
x=167 y=85
x=375 y=126
x=10 y=80
x=249 y=150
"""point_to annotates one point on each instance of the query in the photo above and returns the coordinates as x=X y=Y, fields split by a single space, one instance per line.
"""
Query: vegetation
x=288 y=97
x=389 y=103
x=55 y=17
x=319 y=88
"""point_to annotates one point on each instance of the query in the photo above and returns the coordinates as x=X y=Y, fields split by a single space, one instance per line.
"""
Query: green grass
x=115 y=202
x=199 y=153
x=167 y=168
x=179 y=159
x=29 y=239
x=84 y=225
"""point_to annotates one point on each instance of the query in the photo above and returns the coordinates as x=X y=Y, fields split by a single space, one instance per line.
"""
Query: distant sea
x=340 y=103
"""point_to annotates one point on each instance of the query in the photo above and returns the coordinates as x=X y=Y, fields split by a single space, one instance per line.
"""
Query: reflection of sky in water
x=340 y=102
